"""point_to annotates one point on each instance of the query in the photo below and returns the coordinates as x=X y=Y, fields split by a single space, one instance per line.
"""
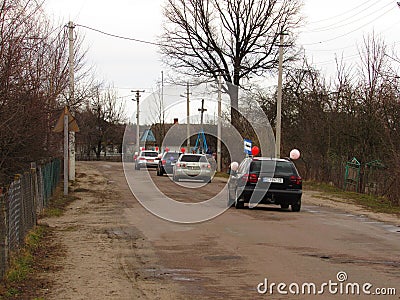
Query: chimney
x=176 y=121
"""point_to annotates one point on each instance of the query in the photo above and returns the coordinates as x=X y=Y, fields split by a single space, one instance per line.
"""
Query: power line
x=345 y=34
x=339 y=25
x=119 y=36
x=350 y=46
x=349 y=11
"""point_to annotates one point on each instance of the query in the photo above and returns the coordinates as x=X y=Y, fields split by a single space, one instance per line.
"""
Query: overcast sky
x=333 y=28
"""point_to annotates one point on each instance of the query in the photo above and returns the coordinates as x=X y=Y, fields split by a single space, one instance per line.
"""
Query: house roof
x=148 y=136
x=176 y=134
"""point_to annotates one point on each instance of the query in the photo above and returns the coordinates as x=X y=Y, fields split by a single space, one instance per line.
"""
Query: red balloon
x=166 y=149
x=255 y=150
x=157 y=149
x=183 y=150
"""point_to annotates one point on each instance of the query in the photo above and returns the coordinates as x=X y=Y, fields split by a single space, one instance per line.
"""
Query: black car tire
x=159 y=172
x=296 y=206
x=207 y=180
x=239 y=203
x=137 y=167
x=175 y=178
x=284 y=205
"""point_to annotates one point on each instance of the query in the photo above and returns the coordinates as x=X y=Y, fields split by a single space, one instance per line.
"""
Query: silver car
x=193 y=166
x=147 y=159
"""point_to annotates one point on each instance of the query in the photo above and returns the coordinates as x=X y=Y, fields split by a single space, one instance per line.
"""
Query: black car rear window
x=279 y=167
x=193 y=158
x=150 y=154
x=171 y=156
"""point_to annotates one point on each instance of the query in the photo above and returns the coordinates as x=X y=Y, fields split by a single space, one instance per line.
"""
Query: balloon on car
x=183 y=150
x=294 y=154
x=166 y=149
x=255 y=150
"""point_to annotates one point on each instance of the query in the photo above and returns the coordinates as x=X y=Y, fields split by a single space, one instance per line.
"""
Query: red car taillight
x=295 y=179
x=204 y=166
x=250 y=178
x=142 y=158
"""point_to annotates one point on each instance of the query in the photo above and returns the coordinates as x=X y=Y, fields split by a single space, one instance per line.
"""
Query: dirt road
x=116 y=249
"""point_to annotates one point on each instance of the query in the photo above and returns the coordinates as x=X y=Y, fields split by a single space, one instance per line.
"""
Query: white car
x=147 y=159
x=193 y=166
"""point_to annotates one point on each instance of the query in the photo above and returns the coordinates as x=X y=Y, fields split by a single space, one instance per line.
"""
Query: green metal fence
x=20 y=204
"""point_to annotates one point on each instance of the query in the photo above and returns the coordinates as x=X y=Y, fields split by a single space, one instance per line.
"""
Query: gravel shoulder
x=325 y=200
x=102 y=254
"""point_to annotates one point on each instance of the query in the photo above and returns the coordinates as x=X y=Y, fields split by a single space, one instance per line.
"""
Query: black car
x=167 y=162
x=261 y=180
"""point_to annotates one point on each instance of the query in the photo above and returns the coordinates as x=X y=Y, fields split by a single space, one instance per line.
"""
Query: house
x=174 y=136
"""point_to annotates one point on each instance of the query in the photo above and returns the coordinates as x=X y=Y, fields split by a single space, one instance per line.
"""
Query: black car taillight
x=250 y=178
x=295 y=179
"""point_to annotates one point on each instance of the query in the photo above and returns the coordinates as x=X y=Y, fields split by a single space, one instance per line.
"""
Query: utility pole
x=202 y=110
x=162 y=111
x=279 y=101
x=137 y=119
x=71 y=27
x=219 y=125
x=188 y=117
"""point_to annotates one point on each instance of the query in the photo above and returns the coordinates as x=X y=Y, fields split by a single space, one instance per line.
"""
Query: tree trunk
x=233 y=91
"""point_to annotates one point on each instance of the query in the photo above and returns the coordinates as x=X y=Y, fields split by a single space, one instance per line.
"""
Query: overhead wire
x=336 y=26
x=344 y=13
x=118 y=36
x=349 y=32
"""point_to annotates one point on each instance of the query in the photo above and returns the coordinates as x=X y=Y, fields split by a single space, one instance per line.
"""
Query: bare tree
x=238 y=38
x=100 y=121
x=32 y=77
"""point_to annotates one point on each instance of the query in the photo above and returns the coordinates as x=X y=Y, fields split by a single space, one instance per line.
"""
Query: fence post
x=35 y=192
x=3 y=234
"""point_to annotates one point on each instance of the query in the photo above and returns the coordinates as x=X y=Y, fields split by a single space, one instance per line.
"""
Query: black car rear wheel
x=284 y=205
x=296 y=206
x=207 y=180
x=239 y=203
x=159 y=171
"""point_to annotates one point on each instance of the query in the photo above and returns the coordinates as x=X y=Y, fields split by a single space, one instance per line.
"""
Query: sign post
x=66 y=146
x=66 y=123
x=247 y=144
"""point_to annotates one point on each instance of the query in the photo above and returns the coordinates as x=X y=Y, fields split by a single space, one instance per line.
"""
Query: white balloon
x=294 y=154
x=234 y=166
